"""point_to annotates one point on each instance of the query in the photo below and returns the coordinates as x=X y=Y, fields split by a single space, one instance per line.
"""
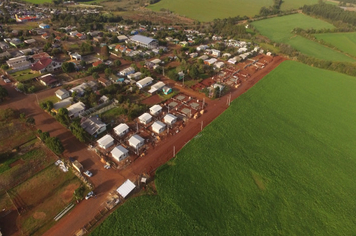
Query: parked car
x=88 y=173
x=107 y=167
x=89 y=195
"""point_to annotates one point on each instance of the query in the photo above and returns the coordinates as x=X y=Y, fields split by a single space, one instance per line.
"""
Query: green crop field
x=279 y=29
x=38 y=1
x=280 y=161
x=343 y=41
x=208 y=11
x=295 y=4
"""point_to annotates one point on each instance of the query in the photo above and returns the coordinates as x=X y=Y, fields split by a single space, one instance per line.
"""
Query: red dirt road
x=107 y=180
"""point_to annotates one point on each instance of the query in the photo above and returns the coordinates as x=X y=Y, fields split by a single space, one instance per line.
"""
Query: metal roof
x=135 y=140
x=155 y=108
x=142 y=39
x=118 y=151
x=105 y=140
x=157 y=125
x=121 y=128
x=126 y=188
x=169 y=118
x=145 y=117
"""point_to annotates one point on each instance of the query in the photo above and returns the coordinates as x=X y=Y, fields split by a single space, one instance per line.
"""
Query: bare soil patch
x=152 y=100
x=39 y=215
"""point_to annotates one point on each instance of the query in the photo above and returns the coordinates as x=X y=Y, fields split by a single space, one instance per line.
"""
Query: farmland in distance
x=280 y=160
x=283 y=34
x=345 y=42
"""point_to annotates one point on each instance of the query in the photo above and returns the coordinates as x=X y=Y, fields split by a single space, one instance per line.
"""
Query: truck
x=76 y=164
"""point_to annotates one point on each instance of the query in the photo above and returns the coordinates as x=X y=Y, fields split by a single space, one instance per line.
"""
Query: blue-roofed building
x=144 y=41
x=44 y=26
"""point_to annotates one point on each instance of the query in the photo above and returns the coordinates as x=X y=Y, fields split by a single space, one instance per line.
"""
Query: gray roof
x=92 y=125
x=142 y=39
x=61 y=91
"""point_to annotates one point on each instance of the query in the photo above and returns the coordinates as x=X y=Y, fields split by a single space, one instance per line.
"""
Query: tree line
x=330 y=12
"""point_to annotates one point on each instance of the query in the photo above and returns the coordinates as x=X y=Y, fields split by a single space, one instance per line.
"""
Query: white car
x=89 y=195
x=88 y=173
x=107 y=167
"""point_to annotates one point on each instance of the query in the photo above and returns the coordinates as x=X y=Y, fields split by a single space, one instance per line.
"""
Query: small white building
x=144 y=82
x=62 y=93
x=170 y=119
x=121 y=129
x=136 y=141
x=215 y=52
x=145 y=118
x=135 y=76
x=158 y=127
x=126 y=188
x=155 y=110
x=219 y=64
x=119 y=153
x=156 y=61
x=106 y=141
x=127 y=71
x=76 y=109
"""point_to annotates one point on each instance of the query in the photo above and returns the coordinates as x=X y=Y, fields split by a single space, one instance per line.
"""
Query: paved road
x=107 y=180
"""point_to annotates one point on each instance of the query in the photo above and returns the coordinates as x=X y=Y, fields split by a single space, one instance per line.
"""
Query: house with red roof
x=45 y=36
x=48 y=80
x=45 y=65
x=97 y=63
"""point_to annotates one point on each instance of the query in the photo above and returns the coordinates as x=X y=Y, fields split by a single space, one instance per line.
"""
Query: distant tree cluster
x=272 y=10
x=331 y=12
x=3 y=93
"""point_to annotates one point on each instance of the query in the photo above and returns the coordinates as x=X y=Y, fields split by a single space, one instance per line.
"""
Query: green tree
x=193 y=72
x=117 y=63
x=55 y=145
x=3 y=93
x=95 y=75
x=68 y=67
x=108 y=71
x=30 y=121
x=79 y=193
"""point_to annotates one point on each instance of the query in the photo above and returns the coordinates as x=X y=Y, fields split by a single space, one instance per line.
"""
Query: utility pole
x=203 y=103
x=174 y=151
x=201 y=126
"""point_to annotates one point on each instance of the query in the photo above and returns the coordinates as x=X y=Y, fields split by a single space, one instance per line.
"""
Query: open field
x=38 y=1
x=13 y=134
x=203 y=11
x=282 y=34
x=56 y=190
x=295 y=4
x=286 y=24
x=279 y=161
x=345 y=42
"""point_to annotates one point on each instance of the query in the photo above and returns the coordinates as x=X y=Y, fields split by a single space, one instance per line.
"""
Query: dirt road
x=107 y=180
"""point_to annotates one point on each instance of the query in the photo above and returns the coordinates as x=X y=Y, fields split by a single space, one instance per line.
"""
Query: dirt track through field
x=107 y=180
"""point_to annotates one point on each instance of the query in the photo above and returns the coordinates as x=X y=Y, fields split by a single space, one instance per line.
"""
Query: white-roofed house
x=145 y=118
x=155 y=110
x=127 y=71
x=158 y=127
x=135 y=76
x=76 y=109
x=121 y=129
x=106 y=141
x=136 y=141
x=144 y=82
x=219 y=64
x=62 y=93
x=156 y=87
x=119 y=153
x=170 y=119
x=126 y=188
